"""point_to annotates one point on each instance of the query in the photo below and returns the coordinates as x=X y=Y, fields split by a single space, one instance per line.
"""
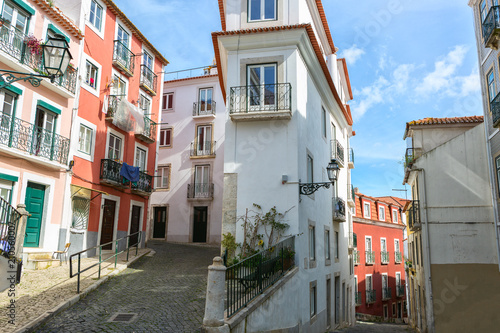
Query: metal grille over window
x=81 y=208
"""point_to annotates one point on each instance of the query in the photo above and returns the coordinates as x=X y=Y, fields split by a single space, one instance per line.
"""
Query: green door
x=35 y=194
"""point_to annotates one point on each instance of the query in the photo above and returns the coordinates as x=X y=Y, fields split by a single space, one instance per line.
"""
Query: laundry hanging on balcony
x=130 y=172
x=105 y=104
x=128 y=117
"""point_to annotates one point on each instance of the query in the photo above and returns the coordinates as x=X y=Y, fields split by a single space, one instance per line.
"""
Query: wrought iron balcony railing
x=356 y=257
x=144 y=184
x=337 y=152
x=351 y=194
x=148 y=80
x=414 y=216
x=491 y=28
x=371 y=296
x=149 y=133
x=386 y=293
x=203 y=148
x=353 y=241
x=369 y=257
x=357 y=297
x=411 y=155
x=495 y=110
x=339 y=211
x=110 y=173
x=200 y=191
x=351 y=158
x=203 y=108
x=264 y=98
x=34 y=140
x=400 y=290
x=113 y=102
x=384 y=257
x=123 y=58
x=15 y=44
x=398 y=257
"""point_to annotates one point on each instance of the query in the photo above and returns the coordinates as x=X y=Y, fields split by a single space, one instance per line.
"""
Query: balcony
x=357 y=298
x=144 y=185
x=204 y=109
x=264 y=102
x=400 y=290
x=351 y=195
x=369 y=257
x=351 y=158
x=148 y=135
x=353 y=241
x=200 y=191
x=203 y=149
x=491 y=28
x=110 y=174
x=113 y=102
x=384 y=257
x=495 y=111
x=398 y=257
x=356 y=257
x=14 y=43
x=123 y=58
x=414 y=216
x=411 y=155
x=338 y=206
x=386 y=293
x=148 y=80
x=34 y=140
x=337 y=152
x=371 y=296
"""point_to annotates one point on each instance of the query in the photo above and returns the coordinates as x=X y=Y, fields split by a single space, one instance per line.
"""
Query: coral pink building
x=379 y=263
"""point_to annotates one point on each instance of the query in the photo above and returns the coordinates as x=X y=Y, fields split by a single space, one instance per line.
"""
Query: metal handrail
x=123 y=56
x=80 y=271
x=261 y=98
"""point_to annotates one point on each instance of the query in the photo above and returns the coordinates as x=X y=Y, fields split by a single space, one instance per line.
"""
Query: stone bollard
x=214 y=306
x=21 y=230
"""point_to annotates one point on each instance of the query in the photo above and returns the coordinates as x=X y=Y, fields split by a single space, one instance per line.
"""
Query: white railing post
x=214 y=305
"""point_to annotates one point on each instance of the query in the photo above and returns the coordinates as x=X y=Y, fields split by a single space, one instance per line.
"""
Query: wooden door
x=134 y=225
x=108 y=223
x=200 y=224
x=159 y=222
x=35 y=195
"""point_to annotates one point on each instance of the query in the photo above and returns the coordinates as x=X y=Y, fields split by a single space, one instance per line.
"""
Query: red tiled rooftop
x=453 y=120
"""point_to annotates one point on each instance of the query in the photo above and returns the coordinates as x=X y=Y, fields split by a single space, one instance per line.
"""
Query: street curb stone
x=66 y=304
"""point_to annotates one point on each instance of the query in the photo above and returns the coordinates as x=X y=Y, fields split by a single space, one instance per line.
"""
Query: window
x=383 y=245
x=398 y=279
x=145 y=104
x=366 y=212
x=123 y=36
x=395 y=216
x=327 y=245
x=140 y=158
x=336 y=244
x=11 y=14
x=147 y=59
x=396 y=245
x=312 y=298
x=323 y=122
x=119 y=87
x=168 y=101
x=491 y=85
x=91 y=75
x=166 y=137
x=7 y=112
x=261 y=82
x=114 y=147
x=81 y=208
x=85 y=140
x=312 y=243
x=416 y=248
x=497 y=164
x=6 y=190
x=381 y=213
x=385 y=290
x=394 y=309
x=259 y=10
x=368 y=282
x=163 y=177
x=421 y=255
x=310 y=175
x=204 y=140
x=205 y=102
x=482 y=10
x=44 y=137
x=95 y=16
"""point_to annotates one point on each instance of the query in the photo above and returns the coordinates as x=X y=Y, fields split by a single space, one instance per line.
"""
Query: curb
x=34 y=324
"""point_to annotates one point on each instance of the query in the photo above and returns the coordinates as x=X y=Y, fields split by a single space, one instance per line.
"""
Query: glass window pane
x=269 y=9
x=255 y=9
x=8 y=13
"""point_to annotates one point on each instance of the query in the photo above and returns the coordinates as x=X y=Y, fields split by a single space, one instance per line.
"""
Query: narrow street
x=368 y=327
x=164 y=292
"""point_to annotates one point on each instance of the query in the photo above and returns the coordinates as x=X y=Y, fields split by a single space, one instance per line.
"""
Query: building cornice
x=379 y=223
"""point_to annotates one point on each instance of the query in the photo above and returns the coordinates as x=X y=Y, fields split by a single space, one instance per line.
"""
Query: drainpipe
x=427 y=264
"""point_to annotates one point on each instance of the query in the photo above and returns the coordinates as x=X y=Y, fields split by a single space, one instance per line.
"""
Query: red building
x=378 y=226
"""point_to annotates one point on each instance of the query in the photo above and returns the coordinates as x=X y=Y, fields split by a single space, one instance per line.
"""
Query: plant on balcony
x=33 y=44
x=408 y=264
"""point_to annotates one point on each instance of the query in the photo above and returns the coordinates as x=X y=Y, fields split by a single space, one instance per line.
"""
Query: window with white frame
x=381 y=213
x=140 y=158
x=166 y=137
x=6 y=189
x=368 y=243
x=368 y=282
x=163 y=177
x=482 y=10
x=85 y=139
x=7 y=113
x=205 y=101
x=95 y=16
x=323 y=122
x=395 y=218
x=114 y=147
x=119 y=87
x=204 y=140
x=398 y=279
x=261 y=82
x=312 y=243
x=327 y=245
x=355 y=283
x=15 y=19
x=491 y=84
x=145 y=104
x=385 y=289
x=366 y=210
x=92 y=74
x=312 y=298
x=336 y=244
x=123 y=36
x=167 y=101
x=396 y=245
x=260 y=10
x=497 y=166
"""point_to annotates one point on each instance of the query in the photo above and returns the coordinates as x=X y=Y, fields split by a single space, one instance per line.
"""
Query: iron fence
x=203 y=148
x=200 y=191
x=250 y=277
x=386 y=293
x=34 y=140
x=495 y=110
x=123 y=57
x=357 y=297
x=491 y=23
x=144 y=184
x=110 y=172
x=384 y=257
x=261 y=98
x=400 y=290
x=189 y=73
x=369 y=257
x=149 y=132
x=9 y=218
x=351 y=155
x=204 y=108
x=371 y=296
x=337 y=152
x=356 y=257
x=148 y=79
x=414 y=215
x=338 y=206
x=398 y=257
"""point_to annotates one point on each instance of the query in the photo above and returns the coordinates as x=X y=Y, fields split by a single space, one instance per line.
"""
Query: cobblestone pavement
x=166 y=291
x=369 y=327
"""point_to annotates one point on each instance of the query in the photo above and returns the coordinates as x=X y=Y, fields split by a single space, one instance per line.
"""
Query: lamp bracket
x=7 y=78
x=310 y=188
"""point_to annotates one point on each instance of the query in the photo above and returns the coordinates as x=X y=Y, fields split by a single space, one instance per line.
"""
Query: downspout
x=427 y=264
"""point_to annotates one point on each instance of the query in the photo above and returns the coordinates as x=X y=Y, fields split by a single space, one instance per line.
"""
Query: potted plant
x=33 y=44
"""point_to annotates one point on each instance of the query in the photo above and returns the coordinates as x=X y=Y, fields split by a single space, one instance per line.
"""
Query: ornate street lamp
x=333 y=173
x=56 y=58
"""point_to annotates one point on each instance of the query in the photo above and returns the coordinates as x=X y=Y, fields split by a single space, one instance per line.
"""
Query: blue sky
x=407 y=60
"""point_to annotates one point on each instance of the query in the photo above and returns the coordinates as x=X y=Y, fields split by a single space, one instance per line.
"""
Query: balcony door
x=200 y=224
x=385 y=292
x=261 y=87
x=368 y=244
x=205 y=102
x=14 y=29
x=6 y=115
x=204 y=140
x=201 y=181
x=43 y=138
x=114 y=148
x=140 y=159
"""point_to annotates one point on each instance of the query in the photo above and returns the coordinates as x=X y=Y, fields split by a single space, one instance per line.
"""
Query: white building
x=286 y=98
x=187 y=203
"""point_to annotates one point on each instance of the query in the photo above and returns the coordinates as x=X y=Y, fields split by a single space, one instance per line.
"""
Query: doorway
x=159 y=222
x=200 y=224
x=135 y=219
x=328 y=303
x=337 y=300
x=108 y=223
x=35 y=196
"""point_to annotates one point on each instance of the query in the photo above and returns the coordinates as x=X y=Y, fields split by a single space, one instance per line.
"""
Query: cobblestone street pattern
x=166 y=291
x=367 y=327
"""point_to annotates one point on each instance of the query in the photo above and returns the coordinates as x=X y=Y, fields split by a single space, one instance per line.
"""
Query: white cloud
x=352 y=54
x=370 y=96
